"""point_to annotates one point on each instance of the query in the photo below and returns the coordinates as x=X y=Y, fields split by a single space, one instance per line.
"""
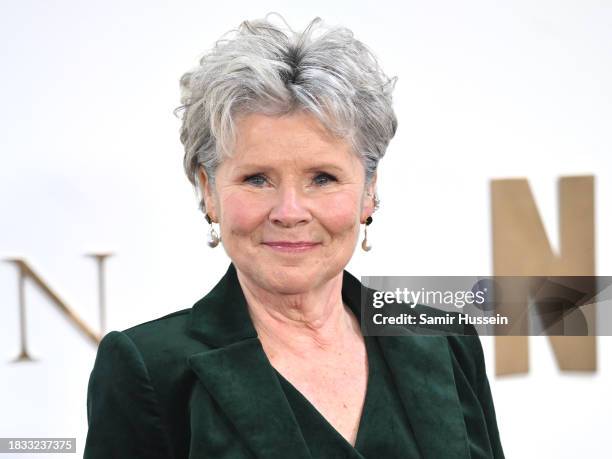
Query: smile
x=283 y=246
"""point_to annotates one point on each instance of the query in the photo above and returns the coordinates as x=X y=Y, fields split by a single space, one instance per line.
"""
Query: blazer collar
x=222 y=318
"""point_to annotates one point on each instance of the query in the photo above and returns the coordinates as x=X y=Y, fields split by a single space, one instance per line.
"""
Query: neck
x=300 y=323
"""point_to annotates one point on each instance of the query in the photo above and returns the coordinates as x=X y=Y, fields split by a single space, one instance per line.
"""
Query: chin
x=288 y=279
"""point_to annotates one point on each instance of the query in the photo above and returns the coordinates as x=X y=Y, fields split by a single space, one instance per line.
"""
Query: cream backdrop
x=91 y=161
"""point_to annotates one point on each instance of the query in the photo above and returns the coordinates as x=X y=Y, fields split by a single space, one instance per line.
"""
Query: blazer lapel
x=238 y=375
x=422 y=369
x=242 y=381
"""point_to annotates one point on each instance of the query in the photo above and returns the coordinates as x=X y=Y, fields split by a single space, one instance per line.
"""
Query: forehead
x=295 y=138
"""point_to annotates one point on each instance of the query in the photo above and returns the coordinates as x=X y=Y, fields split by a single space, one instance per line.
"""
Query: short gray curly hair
x=265 y=68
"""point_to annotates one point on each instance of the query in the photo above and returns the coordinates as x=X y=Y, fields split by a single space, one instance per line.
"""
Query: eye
x=323 y=178
x=256 y=180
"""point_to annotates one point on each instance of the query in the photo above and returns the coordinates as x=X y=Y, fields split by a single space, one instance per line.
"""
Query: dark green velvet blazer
x=197 y=384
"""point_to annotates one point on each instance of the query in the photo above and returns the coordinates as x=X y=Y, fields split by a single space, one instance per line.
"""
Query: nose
x=289 y=208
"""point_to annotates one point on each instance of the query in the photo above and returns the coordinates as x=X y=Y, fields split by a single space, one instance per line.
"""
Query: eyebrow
x=325 y=166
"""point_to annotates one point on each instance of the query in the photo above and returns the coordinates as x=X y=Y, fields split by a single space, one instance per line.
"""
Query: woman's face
x=289 y=202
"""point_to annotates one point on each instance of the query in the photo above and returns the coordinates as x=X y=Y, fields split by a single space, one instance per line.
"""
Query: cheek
x=340 y=212
x=241 y=213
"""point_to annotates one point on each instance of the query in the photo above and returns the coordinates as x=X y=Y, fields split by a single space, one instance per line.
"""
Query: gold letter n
x=27 y=272
x=521 y=248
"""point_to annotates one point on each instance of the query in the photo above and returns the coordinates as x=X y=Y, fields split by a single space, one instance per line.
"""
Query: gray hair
x=264 y=68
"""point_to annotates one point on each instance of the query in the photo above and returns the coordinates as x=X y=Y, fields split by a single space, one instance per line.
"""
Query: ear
x=368 y=199
x=207 y=193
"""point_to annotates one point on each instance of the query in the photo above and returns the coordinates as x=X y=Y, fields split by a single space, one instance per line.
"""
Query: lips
x=287 y=246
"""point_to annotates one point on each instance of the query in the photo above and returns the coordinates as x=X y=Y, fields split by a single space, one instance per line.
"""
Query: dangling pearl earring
x=364 y=244
x=213 y=238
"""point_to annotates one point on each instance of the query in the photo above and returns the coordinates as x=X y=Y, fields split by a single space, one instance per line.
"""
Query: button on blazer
x=197 y=384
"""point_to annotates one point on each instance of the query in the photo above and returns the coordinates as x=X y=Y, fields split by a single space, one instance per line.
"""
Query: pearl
x=213 y=238
x=365 y=246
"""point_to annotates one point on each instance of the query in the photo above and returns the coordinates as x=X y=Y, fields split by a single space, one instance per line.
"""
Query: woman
x=283 y=132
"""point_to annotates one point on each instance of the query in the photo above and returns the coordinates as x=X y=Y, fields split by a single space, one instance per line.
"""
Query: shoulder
x=153 y=336
x=160 y=332
x=159 y=348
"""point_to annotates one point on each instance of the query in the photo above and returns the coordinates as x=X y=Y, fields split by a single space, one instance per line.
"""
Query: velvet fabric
x=384 y=429
x=197 y=384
